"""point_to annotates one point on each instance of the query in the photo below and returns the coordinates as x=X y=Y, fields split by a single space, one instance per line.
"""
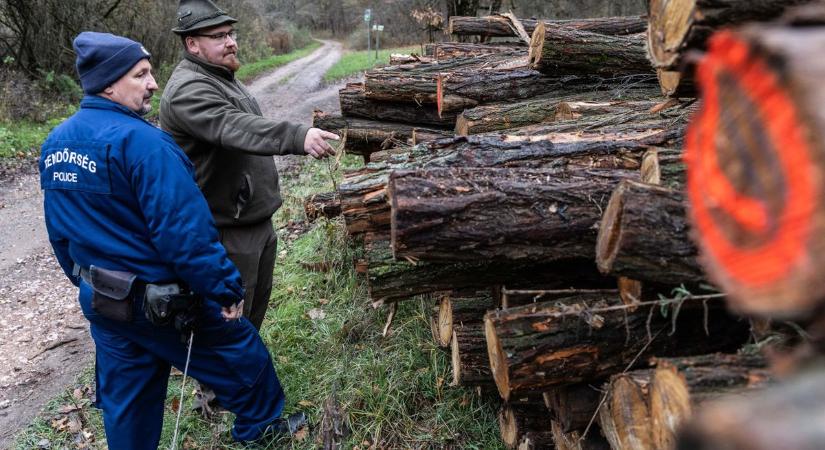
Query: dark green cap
x=196 y=15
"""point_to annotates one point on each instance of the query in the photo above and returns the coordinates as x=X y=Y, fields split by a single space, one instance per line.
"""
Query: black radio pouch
x=166 y=304
x=112 y=293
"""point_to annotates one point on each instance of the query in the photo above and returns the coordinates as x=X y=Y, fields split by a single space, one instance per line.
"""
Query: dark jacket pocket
x=244 y=196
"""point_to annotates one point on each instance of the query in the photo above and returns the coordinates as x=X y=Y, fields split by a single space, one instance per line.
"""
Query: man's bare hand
x=316 y=145
x=233 y=312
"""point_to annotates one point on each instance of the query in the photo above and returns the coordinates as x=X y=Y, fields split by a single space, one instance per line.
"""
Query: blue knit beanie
x=103 y=58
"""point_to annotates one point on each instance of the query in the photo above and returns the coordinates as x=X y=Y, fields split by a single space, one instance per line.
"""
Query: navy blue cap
x=102 y=58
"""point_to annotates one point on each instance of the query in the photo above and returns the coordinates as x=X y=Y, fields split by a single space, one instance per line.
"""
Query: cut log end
x=455 y=359
x=445 y=322
x=536 y=45
x=498 y=360
x=669 y=24
x=651 y=172
x=669 y=405
x=610 y=231
x=625 y=417
x=462 y=126
x=508 y=427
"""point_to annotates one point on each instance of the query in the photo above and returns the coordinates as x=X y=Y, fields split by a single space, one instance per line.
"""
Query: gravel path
x=44 y=339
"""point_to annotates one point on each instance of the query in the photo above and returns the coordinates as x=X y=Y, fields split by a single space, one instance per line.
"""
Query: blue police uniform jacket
x=121 y=195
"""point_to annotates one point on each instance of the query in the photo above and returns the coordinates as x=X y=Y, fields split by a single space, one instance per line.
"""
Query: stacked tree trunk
x=539 y=193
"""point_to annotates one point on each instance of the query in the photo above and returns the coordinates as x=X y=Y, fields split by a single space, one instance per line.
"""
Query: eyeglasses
x=222 y=35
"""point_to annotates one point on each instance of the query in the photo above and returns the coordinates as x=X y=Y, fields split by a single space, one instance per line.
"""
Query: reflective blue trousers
x=133 y=362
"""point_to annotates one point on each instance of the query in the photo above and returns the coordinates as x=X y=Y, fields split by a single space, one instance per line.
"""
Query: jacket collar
x=98 y=102
x=214 y=69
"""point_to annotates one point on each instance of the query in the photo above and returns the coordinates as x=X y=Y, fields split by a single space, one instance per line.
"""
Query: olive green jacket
x=219 y=125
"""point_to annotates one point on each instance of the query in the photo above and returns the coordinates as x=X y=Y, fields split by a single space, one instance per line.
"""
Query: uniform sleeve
x=61 y=251
x=181 y=227
x=201 y=111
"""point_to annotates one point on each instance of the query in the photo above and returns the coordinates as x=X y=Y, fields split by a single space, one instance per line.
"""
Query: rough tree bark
x=501 y=214
x=499 y=26
x=368 y=136
x=643 y=235
x=537 y=347
x=355 y=103
x=560 y=51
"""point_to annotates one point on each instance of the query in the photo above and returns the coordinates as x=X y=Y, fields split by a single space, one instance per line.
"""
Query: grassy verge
x=20 y=139
x=249 y=71
x=353 y=63
x=326 y=342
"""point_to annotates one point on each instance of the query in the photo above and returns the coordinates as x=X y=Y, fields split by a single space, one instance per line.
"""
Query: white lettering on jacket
x=68 y=177
x=71 y=157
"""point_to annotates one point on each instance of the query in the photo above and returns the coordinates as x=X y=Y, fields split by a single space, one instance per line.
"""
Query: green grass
x=393 y=392
x=356 y=62
x=249 y=71
x=23 y=138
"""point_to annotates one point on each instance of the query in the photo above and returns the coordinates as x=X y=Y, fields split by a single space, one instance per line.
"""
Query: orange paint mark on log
x=709 y=188
x=586 y=351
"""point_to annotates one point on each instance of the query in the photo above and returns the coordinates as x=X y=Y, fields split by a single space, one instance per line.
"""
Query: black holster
x=166 y=304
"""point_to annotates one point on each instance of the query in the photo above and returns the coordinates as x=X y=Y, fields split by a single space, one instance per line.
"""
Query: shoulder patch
x=77 y=165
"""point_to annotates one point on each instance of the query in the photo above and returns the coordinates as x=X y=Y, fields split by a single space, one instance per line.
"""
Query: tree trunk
x=574 y=406
x=786 y=416
x=354 y=103
x=500 y=214
x=545 y=108
x=368 y=136
x=391 y=280
x=515 y=420
x=364 y=201
x=757 y=168
x=363 y=193
x=325 y=204
x=572 y=440
x=468 y=350
x=560 y=51
x=418 y=82
x=447 y=50
x=500 y=26
x=537 y=347
x=456 y=311
x=643 y=235
x=678 y=26
x=680 y=385
x=625 y=413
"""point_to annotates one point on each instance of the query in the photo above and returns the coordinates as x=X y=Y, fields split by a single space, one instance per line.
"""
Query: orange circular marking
x=709 y=188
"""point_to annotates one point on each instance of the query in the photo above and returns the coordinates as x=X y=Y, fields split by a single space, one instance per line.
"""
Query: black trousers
x=252 y=248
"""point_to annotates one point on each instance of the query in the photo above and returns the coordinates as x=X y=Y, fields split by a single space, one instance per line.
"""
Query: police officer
x=125 y=217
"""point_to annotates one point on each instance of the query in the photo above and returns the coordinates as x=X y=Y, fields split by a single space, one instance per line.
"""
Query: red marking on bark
x=709 y=188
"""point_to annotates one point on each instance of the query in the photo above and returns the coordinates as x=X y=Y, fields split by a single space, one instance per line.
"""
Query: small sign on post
x=367 y=18
x=378 y=29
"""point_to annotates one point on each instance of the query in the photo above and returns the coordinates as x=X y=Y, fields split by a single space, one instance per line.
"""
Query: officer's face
x=217 y=45
x=135 y=89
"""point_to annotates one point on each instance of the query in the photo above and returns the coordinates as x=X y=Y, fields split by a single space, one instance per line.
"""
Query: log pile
x=539 y=192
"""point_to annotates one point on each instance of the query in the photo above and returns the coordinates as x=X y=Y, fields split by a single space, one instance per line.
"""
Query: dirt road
x=44 y=339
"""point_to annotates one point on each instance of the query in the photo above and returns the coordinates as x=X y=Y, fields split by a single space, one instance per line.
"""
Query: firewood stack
x=540 y=192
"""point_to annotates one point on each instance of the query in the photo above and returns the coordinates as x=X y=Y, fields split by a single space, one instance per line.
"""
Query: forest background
x=37 y=62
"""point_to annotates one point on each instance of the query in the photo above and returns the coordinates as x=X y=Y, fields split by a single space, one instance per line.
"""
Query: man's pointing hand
x=316 y=145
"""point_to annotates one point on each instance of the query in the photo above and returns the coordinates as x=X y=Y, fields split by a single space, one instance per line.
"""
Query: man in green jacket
x=212 y=116
x=219 y=125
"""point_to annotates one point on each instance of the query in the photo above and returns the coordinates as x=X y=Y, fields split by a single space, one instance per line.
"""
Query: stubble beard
x=232 y=63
